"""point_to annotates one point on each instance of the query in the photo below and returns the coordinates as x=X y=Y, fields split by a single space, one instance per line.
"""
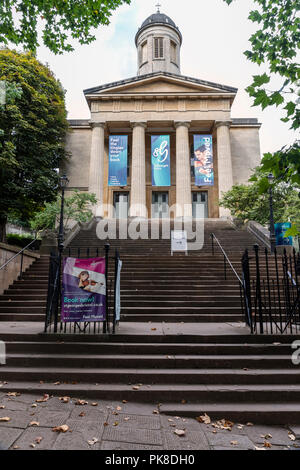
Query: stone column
x=224 y=161
x=138 y=174
x=183 y=171
x=96 y=178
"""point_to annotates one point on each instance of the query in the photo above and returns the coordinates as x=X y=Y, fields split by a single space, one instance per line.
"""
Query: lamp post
x=63 y=184
x=60 y=241
x=272 y=225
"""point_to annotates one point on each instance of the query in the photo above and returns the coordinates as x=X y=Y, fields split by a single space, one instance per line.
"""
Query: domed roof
x=158 y=18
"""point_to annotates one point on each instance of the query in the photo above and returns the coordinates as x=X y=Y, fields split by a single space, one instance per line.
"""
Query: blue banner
x=160 y=160
x=118 y=158
x=280 y=230
x=203 y=160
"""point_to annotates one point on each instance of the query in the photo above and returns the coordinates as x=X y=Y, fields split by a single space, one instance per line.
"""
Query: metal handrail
x=18 y=254
x=213 y=237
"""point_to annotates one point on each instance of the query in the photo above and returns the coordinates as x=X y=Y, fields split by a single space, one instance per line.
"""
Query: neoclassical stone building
x=160 y=101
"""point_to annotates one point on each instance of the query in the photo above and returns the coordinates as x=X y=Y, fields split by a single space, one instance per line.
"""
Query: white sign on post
x=179 y=241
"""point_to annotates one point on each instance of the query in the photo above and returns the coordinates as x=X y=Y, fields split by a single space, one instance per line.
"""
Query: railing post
x=258 y=289
x=212 y=244
x=247 y=290
x=115 y=290
x=225 y=270
x=105 y=324
x=21 y=265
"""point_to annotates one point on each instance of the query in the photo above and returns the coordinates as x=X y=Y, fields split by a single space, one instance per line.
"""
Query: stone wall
x=11 y=272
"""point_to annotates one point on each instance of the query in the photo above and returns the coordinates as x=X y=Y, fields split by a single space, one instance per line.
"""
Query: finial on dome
x=158 y=7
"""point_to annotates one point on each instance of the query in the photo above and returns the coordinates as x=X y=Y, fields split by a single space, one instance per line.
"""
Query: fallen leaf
x=249 y=424
x=179 y=432
x=155 y=412
x=81 y=402
x=65 y=399
x=116 y=423
x=105 y=424
x=2 y=407
x=34 y=423
x=5 y=419
x=45 y=398
x=267 y=436
x=267 y=444
x=153 y=329
x=126 y=419
x=32 y=445
x=38 y=440
x=204 y=419
x=234 y=443
x=135 y=387
x=16 y=447
x=292 y=436
x=94 y=404
x=13 y=394
x=56 y=383
x=81 y=415
x=34 y=405
x=93 y=441
x=124 y=401
x=119 y=408
x=63 y=428
x=183 y=402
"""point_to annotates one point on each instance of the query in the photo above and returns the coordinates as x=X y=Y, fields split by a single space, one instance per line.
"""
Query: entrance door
x=160 y=205
x=121 y=205
x=200 y=205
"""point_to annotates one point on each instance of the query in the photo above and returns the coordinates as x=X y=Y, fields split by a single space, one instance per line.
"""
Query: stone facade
x=160 y=101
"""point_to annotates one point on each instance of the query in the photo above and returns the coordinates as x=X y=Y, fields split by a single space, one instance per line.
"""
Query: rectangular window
x=158 y=48
x=144 y=53
x=173 y=52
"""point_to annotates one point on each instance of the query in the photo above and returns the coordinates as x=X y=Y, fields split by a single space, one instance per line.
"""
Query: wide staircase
x=181 y=342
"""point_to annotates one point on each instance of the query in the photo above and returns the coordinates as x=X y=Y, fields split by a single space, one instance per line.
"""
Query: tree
x=251 y=202
x=59 y=20
x=32 y=144
x=77 y=207
x=276 y=45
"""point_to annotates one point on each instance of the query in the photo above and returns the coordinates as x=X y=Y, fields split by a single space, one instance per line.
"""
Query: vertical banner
x=203 y=160
x=160 y=160
x=118 y=160
x=84 y=290
x=280 y=230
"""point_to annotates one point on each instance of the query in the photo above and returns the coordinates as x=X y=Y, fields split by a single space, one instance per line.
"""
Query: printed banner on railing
x=203 y=160
x=84 y=290
x=118 y=160
x=160 y=151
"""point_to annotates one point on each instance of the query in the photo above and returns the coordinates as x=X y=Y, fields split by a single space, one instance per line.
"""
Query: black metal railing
x=21 y=254
x=53 y=320
x=245 y=306
x=272 y=291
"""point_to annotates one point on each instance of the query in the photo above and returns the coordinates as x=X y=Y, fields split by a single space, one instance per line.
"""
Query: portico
x=161 y=103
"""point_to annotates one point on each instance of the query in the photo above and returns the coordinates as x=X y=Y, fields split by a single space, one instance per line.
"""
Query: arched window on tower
x=158 y=48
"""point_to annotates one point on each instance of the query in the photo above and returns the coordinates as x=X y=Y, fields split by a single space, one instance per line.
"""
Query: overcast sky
x=214 y=38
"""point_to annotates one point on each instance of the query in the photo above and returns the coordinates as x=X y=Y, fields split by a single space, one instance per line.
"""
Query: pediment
x=161 y=84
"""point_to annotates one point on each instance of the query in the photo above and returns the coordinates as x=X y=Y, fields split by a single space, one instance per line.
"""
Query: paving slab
x=229 y=440
x=140 y=422
x=193 y=440
x=107 y=445
x=51 y=418
x=18 y=419
x=133 y=435
x=280 y=436
x=8 y=437
x=79 y=435
x=30 y=435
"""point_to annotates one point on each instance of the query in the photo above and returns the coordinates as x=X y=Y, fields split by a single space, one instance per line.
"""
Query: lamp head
x=271 y=178
x=64 y=181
